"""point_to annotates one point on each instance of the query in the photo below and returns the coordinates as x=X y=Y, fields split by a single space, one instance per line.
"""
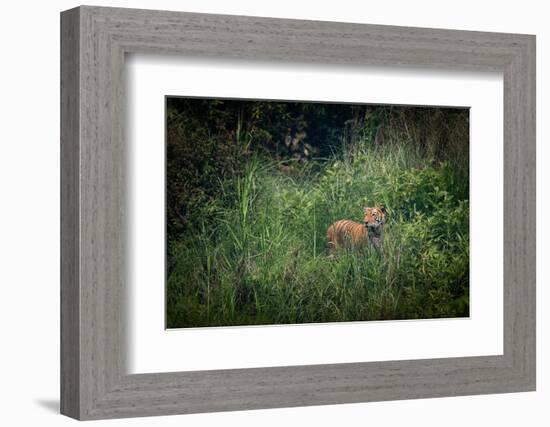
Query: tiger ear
x=366 y=210
x=382 y=208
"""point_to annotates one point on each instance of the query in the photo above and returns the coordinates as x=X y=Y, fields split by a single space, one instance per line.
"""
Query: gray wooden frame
x=94 y=382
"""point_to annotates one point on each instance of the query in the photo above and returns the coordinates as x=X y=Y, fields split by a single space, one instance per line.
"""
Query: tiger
x=346 y=233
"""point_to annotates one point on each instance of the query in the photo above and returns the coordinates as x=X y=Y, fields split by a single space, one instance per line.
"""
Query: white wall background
x=29 y=212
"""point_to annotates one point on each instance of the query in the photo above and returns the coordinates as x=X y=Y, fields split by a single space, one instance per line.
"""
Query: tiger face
x=374 y=218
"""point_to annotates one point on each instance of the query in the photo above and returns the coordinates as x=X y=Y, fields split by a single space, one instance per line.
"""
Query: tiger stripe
x=345 y=233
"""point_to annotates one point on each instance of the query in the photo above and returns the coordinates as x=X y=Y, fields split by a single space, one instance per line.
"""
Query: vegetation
x=253 y=186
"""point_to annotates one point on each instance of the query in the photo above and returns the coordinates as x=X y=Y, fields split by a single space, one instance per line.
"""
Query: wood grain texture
x=70 y=314
x=94 y=272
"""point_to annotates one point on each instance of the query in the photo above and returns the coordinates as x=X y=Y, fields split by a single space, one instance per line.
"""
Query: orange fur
x=346 y=233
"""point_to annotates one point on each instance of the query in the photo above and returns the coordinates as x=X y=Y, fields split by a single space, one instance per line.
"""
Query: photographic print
x=293 y=212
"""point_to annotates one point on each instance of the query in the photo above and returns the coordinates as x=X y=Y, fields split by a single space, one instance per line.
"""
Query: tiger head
x=375 y=217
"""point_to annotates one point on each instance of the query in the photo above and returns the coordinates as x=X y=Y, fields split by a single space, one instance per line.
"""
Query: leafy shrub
x=256 y=253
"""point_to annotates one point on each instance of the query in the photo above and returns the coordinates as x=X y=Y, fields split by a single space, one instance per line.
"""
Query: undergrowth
x=256 y=253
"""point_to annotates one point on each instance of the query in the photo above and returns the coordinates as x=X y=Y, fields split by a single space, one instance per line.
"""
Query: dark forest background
x=253 y=185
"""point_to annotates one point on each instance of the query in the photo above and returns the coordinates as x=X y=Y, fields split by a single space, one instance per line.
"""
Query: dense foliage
x=253 y=186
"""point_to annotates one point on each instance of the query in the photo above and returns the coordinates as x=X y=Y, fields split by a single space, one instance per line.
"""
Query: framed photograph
x=258 y=200
x=261 y=213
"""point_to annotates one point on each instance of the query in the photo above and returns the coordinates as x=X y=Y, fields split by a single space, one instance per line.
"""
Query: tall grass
x=258 y=254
